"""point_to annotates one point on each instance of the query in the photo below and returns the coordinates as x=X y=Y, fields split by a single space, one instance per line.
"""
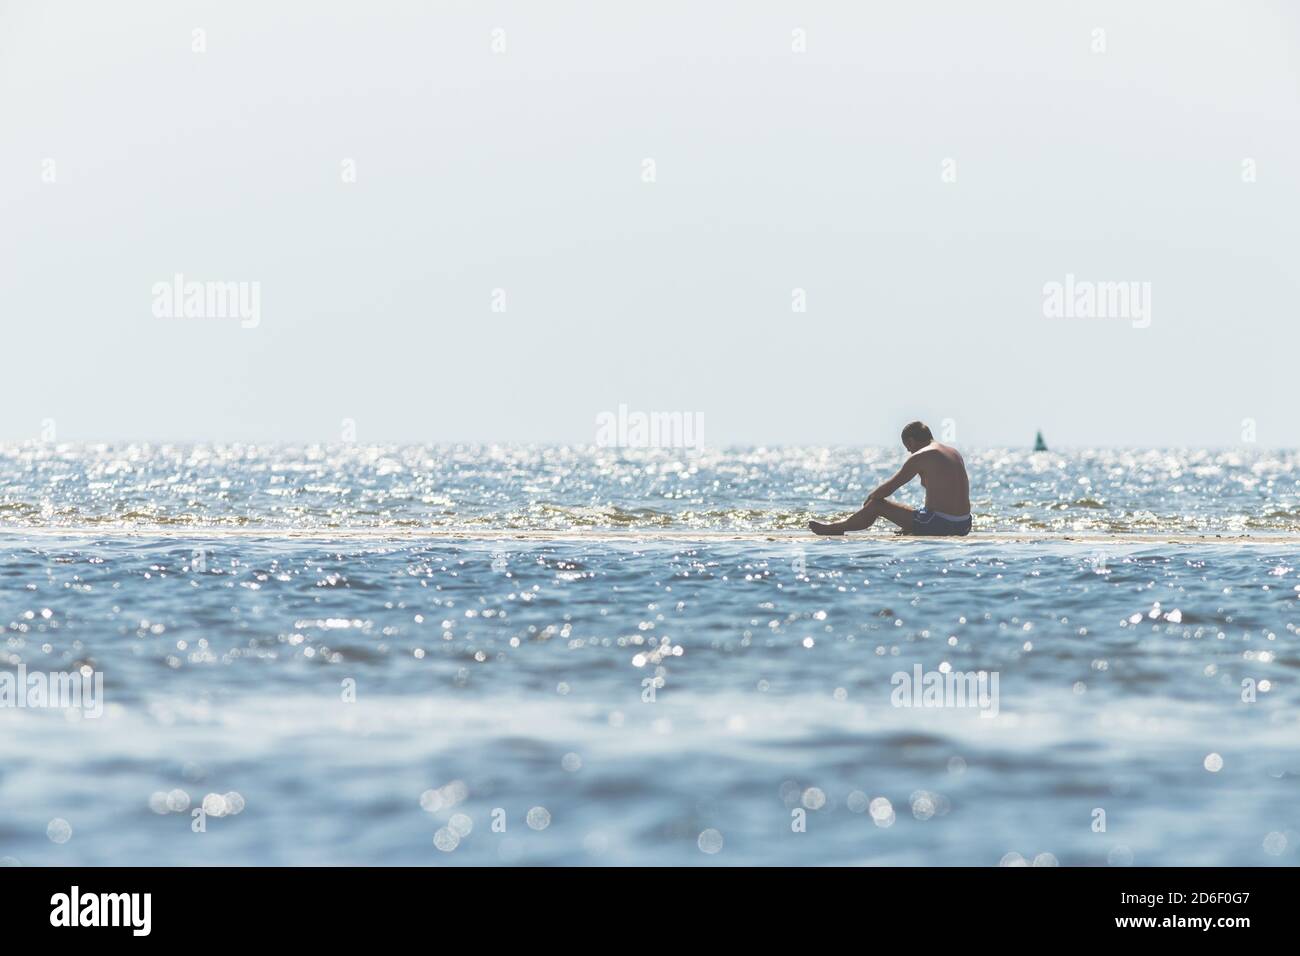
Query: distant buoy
x=1039 y=444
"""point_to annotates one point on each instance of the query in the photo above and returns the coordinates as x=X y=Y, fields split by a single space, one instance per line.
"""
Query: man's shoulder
x=935 y=451
x=922 y=456
x=953 y=456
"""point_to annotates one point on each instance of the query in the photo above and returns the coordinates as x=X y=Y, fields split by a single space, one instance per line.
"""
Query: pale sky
x=774 y=170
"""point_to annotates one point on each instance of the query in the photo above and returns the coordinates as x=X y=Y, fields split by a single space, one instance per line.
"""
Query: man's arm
x=875 y=506
x=905 y=474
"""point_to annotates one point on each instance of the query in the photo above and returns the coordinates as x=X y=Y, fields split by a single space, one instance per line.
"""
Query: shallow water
x=640 y=701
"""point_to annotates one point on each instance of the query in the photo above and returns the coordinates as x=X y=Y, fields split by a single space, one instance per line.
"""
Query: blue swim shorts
x=926 y=521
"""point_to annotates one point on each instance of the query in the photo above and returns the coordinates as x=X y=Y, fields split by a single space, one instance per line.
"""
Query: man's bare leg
x=900 y=515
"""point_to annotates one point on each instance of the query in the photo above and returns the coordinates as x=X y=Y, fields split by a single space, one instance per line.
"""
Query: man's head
x=916 y=436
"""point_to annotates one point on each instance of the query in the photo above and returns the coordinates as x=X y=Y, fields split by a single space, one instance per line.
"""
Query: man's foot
x=819 y=528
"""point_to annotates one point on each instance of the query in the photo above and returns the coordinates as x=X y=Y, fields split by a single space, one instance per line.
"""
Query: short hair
x=917 y=433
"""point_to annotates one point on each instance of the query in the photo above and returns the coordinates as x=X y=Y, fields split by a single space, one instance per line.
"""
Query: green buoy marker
x=1039 y=444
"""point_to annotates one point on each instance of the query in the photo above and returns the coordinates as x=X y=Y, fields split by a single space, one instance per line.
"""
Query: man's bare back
x=947 y=492
x=943 y=474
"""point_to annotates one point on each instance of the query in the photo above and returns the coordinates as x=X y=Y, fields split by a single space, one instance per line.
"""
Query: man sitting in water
x=947 y=492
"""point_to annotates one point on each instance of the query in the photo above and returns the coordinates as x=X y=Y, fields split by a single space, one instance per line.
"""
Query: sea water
x=292 y=672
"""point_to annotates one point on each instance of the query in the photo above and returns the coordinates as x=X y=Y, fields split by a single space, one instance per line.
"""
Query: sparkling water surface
x=377 y=698
x=498 y=487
